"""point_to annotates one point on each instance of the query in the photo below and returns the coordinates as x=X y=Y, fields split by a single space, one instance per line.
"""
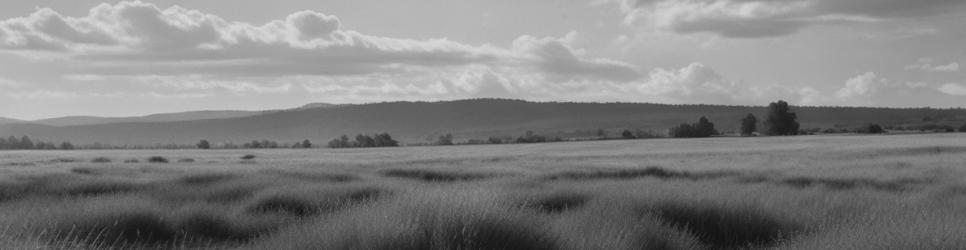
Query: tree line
x=779 y=120
x=364 y=141
x=25 y=143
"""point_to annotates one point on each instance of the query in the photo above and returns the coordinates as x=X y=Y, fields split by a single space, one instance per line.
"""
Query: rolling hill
x=414 y=122
x=166 y=117
x=4 y=120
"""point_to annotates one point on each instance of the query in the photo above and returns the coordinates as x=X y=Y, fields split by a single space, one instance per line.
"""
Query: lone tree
x=780 y=119
x=627 y=134
x=203 y=144
x=306 y=143
x=446 y=139
x=749 y=125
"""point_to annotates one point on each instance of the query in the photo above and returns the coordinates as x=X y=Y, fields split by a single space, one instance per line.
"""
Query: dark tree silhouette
x=203 y=144
x=963 y=128
x=446 y=139
x=26 y=143
x=627 y=134
x=703 y=128
x=874 y=129
x=780 y=119
x=66 y=146
x=306 y=143
x=749 y=125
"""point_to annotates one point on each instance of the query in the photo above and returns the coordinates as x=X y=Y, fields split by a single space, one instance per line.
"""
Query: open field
x=809 y=192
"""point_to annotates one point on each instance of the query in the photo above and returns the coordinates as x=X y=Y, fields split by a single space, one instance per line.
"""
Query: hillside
x=166 y=117
x=4 y=120
x=413 y=122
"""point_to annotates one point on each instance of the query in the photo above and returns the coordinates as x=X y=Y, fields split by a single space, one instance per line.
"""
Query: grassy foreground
x=814 y=192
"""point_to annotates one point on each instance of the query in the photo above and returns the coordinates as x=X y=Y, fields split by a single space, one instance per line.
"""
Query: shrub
x=101 y=160
x=131 y=161
x=703 y=128
x=722 y=227
x=435 y=175
x=248 y=157
x=157 y=159
x=186 y=160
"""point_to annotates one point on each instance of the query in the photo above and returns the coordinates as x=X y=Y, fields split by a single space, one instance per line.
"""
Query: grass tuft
x=157 y=159
x=436 y=175
x=651 y=171
x=722 y=227
x=557 y=203
x=101 y=159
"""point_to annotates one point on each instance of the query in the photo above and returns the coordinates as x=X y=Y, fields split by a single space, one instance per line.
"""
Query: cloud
x=138 y=50
x=864 y=85
x=953 y=89
x=131 y=38
x=555 y=56
x=770 y=18
x=926 y=64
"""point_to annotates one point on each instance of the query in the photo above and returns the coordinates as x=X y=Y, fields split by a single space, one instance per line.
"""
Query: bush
x=186 y=160
x=101 y=160
x=248 y=157
x=157 y=159
x=703 y=128
x=131 y=161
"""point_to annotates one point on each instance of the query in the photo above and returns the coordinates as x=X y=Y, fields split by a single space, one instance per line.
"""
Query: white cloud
x=953 y=89
x=769 y=18
x=926 y=64
x=864 y=85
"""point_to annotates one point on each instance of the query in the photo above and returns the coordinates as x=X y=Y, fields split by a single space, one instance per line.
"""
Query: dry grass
x=819 y=192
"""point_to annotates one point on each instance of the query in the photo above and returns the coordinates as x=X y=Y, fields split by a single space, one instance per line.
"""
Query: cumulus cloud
x=142 y=50
x=955 y=89
x=864 y=85
x=112 y=37
x=926 y=64
x=769 y=18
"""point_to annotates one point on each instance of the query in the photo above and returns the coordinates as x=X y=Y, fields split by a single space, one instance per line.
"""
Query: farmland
x=807 y=192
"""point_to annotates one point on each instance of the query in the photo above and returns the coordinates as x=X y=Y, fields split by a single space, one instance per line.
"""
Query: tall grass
x=768 y=193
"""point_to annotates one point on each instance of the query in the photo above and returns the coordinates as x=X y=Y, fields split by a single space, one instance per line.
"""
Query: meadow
x=807 y=192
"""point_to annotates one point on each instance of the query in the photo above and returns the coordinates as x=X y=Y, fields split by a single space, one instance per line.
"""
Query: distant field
x=808 y=192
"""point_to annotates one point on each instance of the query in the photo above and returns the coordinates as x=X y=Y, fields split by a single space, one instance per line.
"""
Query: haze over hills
x=4 y=120
x=163 y=117
x=414 y=122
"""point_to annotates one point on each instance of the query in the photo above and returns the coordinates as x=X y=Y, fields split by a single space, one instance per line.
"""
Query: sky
x=128 y=58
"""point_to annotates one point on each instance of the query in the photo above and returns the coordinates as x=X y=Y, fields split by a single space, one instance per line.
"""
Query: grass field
x=809 y=192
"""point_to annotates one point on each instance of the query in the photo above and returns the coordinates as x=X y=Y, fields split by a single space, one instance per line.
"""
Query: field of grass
x=809 y=192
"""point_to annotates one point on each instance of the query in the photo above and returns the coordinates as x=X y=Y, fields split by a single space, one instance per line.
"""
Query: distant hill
x=166 y=117
x=414 y=122
x=4 y=120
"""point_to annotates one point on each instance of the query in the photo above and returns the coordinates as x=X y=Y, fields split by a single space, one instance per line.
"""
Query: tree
x=601 y=133
x=494 y=140
x=13 y=143
x=780 y=119
x=963 y=128
x=874 y=129
x=749 y=125
x=306 y=143
x=26 y=143
x=203 y=144
x=66 y=146
x=341 y=142
x=703 y=128
x=384 y=140
x=3 y=144
x=627 y=134
x=446 y=139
